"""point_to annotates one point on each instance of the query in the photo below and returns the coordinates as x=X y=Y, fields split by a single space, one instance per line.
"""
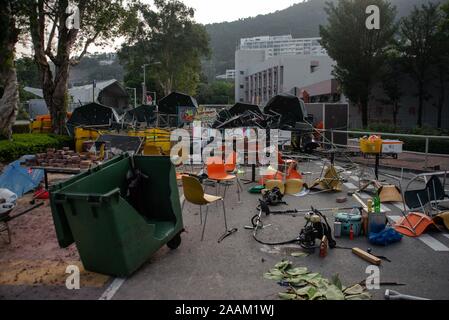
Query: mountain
x=300 y=20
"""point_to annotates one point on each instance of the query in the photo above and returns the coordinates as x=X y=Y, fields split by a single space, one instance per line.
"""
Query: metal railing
x=426 y=138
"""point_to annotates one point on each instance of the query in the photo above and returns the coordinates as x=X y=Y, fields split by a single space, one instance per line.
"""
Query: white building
x=267 y=66
x=229 y=75
x=283 y=45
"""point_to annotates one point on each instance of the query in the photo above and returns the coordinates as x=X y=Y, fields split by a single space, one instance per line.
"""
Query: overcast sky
x=210 y=11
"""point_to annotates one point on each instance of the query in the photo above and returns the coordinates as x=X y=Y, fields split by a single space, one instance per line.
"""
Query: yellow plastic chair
x=150 y=150
x=270 y=184
x=194 y=193
x=293 y=186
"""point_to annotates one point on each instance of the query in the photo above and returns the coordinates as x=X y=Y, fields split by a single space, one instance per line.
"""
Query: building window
x=242 y=72
x=314 y=66
x=242 y=86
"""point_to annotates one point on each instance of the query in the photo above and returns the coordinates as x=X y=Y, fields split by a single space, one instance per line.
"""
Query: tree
x=418 y=39
x=170 y=37
x=9 y=93
x=391 y=76
x=441 y=61
x=27 y=72
x=133 y=58
x=56 y=38
x=358 y=51
x=217 y=92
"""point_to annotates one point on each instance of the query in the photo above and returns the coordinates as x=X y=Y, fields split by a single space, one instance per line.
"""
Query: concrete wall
x=296 y=72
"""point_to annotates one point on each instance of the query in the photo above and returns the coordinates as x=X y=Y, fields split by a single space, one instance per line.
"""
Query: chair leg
x=224 y=215
x=225 y=188
x=201 y=216
x=238 y=189
x=217 y=186
x=205 y=220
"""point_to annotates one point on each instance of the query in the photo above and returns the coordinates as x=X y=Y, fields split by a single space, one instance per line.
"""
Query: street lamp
x=144 y=89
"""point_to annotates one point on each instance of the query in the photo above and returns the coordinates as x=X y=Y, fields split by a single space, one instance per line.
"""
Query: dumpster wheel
x=175 y=242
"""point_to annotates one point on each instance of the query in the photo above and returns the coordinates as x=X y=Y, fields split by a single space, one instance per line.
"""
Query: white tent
x=109 y=93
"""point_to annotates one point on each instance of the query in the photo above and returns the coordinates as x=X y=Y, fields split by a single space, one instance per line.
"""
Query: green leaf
x=337 y=282
x=287 y=296
x=362 y=296
x=297 y=271
x=334 y=293
x=354 y=290
x=311 y=291
x=283 y=265
x=303 y=291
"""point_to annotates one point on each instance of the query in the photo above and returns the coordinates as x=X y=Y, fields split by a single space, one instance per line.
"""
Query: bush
x=29 y=143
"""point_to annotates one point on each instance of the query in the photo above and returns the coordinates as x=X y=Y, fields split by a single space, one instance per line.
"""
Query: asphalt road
x=234 y=268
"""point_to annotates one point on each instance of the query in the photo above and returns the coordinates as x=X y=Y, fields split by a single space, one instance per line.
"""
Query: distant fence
x=420 y=144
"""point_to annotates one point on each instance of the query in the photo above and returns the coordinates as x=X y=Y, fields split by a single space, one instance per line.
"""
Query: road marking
x=365 y=196
x=446 y=235
x=427 y=239
x=355 y=178
x=400 y=206
x=433 y=243
x=394 y=218
x=112 y=289
x=349 y=185
x=384 y=208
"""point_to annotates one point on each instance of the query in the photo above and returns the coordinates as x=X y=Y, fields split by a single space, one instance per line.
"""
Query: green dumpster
x=119 y=213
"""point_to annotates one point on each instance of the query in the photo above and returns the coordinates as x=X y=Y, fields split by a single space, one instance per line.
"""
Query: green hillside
x=300 y=20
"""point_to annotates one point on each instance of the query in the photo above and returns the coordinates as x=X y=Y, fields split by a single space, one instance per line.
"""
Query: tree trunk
x=9 y=103
x=364 y=107
x=420 y=103
x=395 y=113
x=59 y=99
x=441 y=99
x=8 y=76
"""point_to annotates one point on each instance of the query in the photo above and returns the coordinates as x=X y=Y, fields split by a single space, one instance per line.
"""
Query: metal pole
x=144 y=84
x=332 y=138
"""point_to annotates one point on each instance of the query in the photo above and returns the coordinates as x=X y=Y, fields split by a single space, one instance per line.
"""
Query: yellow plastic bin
x=370 y=146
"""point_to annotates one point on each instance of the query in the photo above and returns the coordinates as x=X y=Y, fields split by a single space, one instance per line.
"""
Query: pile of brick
x=64 y=158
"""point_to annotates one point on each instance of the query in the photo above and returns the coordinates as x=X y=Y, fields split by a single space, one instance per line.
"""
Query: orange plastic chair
x=231 y=162
x=194 y=193
x=231 y=167
x=217 y=172
x=278 y=175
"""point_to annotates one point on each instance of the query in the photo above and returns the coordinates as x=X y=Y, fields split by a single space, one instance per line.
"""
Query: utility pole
x=144 y=85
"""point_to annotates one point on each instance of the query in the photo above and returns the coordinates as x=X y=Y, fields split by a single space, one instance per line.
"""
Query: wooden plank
x=366 y=256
